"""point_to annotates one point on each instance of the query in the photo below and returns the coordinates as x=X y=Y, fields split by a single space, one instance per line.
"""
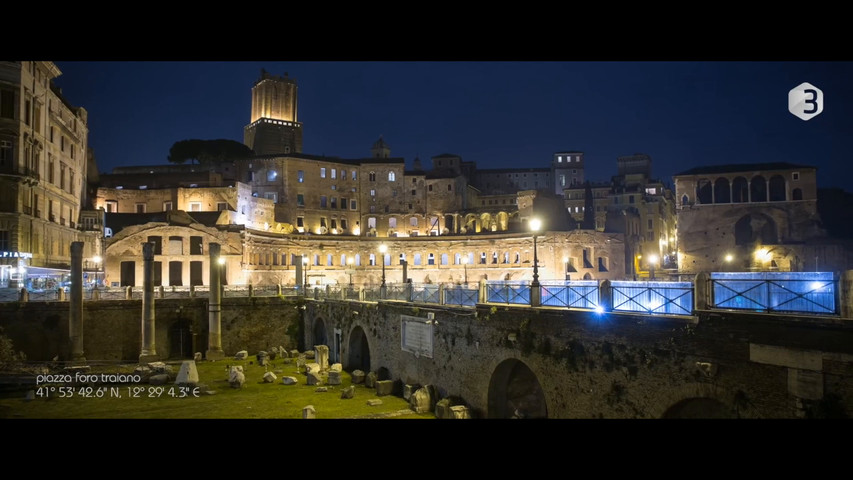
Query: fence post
x=278 y=289
x=96 y=294
x=605 y=296
x=60 y=294
x=128 y=293
x=361 y=293
x=328 y=291
x=192 y=291
x=409 y=291
x=441 y=292
x=162 y=291
x=25 y=295
x=251 y=290
x=482 y=297
x=316 y=293
x=701 y=291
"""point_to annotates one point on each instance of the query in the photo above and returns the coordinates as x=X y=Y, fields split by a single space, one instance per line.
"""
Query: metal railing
x=800 y=292
x=459 y=295
x=674 y=298
x=508 y=292
x=426 y=293
x=570 y=293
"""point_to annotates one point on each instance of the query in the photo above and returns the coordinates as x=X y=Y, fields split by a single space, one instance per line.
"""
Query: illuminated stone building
x=43 y=168
x=635 y=204
x=281 y=204
x=759 y=216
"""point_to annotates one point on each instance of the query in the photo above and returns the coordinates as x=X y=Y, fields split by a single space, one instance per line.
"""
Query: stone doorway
x=180 y=339
x=514 y=392
x=358 y=354
x=320 y=335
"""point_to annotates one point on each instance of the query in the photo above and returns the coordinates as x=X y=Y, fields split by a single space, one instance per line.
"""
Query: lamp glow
x=729 y=257
x=97 y=259
x=220 y=260
x=535 y=224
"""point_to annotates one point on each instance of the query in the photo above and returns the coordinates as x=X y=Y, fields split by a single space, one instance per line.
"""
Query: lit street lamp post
x=535 y=291
x=382 y=249
x=465 y=267
x=653 y=260
x=304 y=274
x=350 y=262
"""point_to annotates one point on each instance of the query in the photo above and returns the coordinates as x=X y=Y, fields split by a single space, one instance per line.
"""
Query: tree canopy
x=208 y=151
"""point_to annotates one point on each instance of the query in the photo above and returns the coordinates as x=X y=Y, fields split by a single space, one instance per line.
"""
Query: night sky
x=498 y=114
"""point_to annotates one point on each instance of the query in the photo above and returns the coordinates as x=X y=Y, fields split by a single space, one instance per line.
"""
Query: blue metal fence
x=425 y=293
x=459 y=295
x=801 y=292
x=508 y=292
x=675 y=298
x=570 y=293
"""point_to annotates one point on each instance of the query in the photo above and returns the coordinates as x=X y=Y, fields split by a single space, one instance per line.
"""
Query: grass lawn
x=256 y=400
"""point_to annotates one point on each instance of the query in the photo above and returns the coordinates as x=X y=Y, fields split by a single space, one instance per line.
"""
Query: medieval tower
x=274 y=128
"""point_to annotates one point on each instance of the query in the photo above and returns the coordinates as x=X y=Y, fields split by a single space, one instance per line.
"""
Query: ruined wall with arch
x=505 y=362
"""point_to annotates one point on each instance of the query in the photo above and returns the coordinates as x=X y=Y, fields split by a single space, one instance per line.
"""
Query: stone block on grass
x=384 y=387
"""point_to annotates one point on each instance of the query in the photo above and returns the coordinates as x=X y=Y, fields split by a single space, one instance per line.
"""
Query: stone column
x=75 y=305
x=845 y=294
x=214 y=307
x=149 y=350
x=298 y=276
x=405 y=270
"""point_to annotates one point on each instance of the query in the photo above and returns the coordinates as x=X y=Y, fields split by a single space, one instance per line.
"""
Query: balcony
x=62 y=221
x=52 y=217
x=28 y=210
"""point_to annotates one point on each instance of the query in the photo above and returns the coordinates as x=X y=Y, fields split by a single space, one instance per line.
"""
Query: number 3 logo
x=805 y=101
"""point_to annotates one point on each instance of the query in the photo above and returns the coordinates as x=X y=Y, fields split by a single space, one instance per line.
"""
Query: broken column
x=214 y=307
x=321 y=356
x=75 y=316
x=149 y=350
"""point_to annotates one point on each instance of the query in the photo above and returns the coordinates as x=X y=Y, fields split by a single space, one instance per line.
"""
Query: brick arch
x=668 y=398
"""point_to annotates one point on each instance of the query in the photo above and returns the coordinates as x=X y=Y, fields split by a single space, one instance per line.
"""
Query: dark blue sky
x=498 y=114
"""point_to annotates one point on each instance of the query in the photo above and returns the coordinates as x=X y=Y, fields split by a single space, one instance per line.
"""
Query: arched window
x=444 y=259
x=517 y=258
x=372 y=259
x=740 y=190
x=777 y=189
x=797 y=194
x=457 y=259
x=372 y=176
x=358 y=259
x=684 y=200
x=430 y=259
x=402 y=258
x=494 y=257
x=506 y=257
x=722 y=194
x=758 y=189
x=391 y=176
x=703 y=191
x=417 y=259
x=483 y=258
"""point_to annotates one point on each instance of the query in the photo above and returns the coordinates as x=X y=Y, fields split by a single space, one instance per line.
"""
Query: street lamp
x=97 y=261
x=653 y=260
x=350 y=262
x=382 y=249
x=465 y=267
x=535 y=225
x=304 y=272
